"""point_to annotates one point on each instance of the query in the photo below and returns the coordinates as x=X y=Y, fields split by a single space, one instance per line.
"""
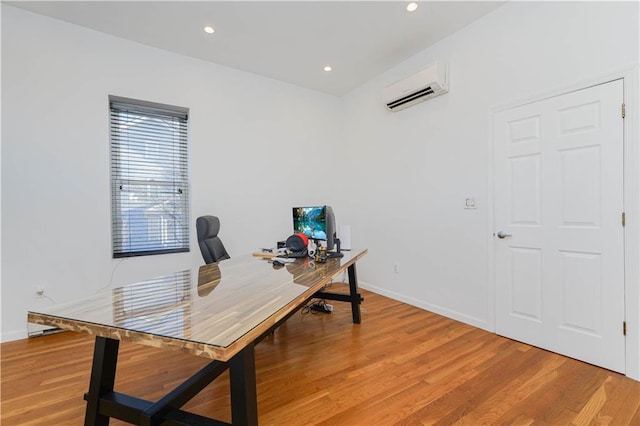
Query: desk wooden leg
x=355 y=296
x=103 y=377
x=242 y=375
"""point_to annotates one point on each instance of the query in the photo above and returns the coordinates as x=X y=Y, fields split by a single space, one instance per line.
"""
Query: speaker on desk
x=297 y=242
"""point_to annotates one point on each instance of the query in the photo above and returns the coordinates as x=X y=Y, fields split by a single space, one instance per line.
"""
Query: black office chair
x=210 y=244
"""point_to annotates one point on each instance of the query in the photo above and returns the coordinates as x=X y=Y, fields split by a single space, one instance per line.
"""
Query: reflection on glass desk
x=231 y=306
x=230 y=300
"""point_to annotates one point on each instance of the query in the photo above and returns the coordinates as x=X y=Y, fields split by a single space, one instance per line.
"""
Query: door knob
x=502 y=234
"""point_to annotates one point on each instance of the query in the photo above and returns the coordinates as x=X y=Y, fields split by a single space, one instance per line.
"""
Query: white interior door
x=559 y=266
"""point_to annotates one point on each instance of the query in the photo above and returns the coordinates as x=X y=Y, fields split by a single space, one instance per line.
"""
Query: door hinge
x=624 y=219
x=624 y=110
x=624 y=328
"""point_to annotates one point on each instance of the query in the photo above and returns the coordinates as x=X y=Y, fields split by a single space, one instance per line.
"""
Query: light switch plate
x=470 y=203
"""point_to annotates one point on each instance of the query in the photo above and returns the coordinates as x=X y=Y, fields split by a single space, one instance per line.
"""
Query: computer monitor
x=316 y=222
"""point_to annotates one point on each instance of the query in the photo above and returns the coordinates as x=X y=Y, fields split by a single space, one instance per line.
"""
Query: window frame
x=121 y=177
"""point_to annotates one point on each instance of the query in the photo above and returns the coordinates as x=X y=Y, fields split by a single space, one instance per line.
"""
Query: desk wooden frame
x=239 y=357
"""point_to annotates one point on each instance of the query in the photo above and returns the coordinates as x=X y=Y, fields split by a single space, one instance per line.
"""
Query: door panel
x=526 y=283
x=524 y=190
x=580 y=192
x=558 y=192
x=581 y=286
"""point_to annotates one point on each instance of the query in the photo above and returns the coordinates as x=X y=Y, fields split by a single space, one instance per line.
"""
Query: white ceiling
x=289 y=41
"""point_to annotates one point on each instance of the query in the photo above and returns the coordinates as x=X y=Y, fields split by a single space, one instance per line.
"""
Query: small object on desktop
x=297 y=242
x=296 y=245
x=311 y=248
x=264 y=255
x=281 y=261
x=321 y=254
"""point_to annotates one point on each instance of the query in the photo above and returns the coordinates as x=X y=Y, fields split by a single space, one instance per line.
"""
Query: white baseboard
x=10 y=336
x=458 y=316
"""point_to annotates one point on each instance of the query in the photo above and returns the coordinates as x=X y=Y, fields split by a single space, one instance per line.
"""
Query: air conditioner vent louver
x=419 y=94
x=431 y=82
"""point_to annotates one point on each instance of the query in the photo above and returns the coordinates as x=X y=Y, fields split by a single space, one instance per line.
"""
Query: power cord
x=321 y=307
x=50 y=299
x=317 y=307
x=113 y=270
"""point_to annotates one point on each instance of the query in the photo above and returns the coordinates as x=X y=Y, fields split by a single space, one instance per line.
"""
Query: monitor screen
x=311 y=221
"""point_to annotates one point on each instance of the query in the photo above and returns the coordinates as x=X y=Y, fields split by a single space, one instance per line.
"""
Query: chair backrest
x=210 y=244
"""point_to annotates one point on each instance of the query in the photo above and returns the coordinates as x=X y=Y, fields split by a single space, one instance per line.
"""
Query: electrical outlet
x=396 y=268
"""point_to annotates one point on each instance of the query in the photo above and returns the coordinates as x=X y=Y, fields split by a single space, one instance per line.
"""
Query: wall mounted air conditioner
x=430 y=82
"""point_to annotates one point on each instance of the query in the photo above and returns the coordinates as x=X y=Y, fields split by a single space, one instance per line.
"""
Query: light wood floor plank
x=401 y=366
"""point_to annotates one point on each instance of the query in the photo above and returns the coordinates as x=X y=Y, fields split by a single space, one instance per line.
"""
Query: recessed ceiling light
x=412 y=6
x=327 y=68
x=209 y=30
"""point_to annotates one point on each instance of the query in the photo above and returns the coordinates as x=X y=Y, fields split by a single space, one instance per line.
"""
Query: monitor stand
x=337 y=253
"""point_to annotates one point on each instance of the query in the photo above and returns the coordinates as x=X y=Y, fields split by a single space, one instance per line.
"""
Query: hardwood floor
x=402 y=365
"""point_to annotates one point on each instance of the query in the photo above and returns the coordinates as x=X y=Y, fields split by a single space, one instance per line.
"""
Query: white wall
x=249 y=136
x=417 y=166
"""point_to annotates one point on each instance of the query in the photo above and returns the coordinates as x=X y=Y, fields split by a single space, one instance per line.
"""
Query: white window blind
x=149 y=178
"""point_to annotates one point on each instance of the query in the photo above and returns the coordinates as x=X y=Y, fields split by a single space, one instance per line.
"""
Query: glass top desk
x=231 y=307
